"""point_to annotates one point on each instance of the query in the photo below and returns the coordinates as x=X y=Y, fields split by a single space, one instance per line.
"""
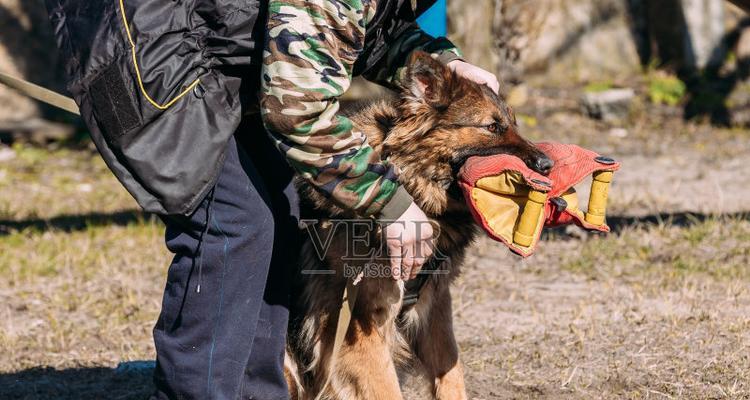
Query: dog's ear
x=426 y=78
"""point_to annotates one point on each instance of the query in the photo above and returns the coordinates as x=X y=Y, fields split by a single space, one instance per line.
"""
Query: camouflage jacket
x=309 y=57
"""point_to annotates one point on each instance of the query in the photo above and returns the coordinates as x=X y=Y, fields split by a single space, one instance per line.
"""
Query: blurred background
x=604 y=44
x=659 y=308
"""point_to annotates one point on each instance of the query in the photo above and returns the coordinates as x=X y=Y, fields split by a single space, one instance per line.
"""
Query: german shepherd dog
x=436 y=123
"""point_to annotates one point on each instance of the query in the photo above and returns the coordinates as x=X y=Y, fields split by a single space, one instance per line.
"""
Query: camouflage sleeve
x=310 y=50
x=389 y=70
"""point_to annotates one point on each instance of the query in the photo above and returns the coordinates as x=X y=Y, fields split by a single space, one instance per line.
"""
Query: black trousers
x=222 y=327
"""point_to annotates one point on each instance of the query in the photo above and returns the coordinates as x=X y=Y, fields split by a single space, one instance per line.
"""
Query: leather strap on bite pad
x=573 y=164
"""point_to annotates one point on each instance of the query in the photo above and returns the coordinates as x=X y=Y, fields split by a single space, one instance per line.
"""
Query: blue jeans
x=222 y=328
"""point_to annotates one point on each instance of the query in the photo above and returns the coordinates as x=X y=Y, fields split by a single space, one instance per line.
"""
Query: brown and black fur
x=435 y=124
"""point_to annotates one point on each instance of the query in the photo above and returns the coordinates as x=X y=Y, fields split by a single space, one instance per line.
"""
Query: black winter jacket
x=163 y=84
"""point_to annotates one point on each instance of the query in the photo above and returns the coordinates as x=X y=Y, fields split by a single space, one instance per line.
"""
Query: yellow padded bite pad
x=501 y=200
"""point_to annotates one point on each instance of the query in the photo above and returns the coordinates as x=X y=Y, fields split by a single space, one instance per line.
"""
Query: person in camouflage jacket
x=310 y=52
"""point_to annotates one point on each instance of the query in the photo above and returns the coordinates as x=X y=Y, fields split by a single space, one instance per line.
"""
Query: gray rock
x=610 y=105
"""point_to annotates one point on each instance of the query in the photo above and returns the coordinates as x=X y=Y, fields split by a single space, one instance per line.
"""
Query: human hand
x=409 y=242
x=474 y=73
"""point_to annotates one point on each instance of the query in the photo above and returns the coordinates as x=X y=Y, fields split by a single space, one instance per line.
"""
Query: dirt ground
x=660 y=308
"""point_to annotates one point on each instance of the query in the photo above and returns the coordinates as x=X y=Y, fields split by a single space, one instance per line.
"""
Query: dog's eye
x=495 y=127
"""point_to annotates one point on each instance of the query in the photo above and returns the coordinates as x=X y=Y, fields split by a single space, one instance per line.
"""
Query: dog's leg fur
x=435 y=346
x=365 y=369
x=296 y=391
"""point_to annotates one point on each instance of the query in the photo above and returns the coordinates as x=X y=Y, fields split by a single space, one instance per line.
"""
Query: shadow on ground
x=71 y=223
x=130 y=381
x=679 y=219
x=618 y=223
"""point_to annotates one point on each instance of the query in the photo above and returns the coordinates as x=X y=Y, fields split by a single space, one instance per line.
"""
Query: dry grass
x=658 y=311
x=714 y=249
x=88 y=296
x=80 y=278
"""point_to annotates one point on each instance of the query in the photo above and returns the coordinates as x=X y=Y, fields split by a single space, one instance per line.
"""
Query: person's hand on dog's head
x=476 y=74
x=409 y=241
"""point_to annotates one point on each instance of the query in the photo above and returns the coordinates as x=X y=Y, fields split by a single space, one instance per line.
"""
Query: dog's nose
x=543 y=165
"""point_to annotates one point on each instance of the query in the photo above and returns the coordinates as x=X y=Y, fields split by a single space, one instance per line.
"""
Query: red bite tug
x=514 y=203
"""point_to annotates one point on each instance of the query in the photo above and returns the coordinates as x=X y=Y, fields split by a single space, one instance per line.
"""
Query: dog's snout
x=543 y=164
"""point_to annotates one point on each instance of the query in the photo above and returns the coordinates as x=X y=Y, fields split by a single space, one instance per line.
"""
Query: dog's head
x=443 y=119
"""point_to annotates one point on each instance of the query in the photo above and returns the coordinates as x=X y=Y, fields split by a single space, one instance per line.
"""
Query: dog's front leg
x=365 y=368
x=435 y=346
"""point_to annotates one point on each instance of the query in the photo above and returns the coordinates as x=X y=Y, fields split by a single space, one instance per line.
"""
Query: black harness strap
x=413 y=287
